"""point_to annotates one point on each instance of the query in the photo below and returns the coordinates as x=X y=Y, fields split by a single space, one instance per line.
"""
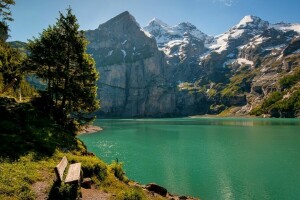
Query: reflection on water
x=206 y=157
x=212 y=121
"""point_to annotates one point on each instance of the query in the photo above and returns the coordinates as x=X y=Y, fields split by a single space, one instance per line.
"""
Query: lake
x=210 y=158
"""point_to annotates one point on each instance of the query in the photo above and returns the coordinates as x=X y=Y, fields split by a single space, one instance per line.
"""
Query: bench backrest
x=60 y=168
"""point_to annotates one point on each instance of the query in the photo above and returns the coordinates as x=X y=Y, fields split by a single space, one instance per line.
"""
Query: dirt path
x=40 y=190
x=94 y=194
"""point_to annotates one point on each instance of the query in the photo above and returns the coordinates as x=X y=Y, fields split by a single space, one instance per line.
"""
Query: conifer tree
x=11 y=61
x=5 y=15
x=58 y=56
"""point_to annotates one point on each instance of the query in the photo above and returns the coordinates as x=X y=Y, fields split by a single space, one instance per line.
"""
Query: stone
x=157 y=189
x=183 y=198
x=86 y=183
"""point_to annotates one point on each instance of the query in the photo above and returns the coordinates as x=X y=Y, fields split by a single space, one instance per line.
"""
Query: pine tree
x=11 y=61
x=59 y=57
x=5 y=15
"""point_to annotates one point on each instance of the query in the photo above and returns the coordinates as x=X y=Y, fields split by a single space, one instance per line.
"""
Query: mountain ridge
x=163 y=70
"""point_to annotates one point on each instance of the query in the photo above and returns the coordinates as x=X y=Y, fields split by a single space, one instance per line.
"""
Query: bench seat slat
x=74 y=173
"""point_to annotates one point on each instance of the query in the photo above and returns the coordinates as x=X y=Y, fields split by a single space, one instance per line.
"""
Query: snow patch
x=228 y=62
x=221 y=41
x=146 y=33
x=297 y=51
x=237 y=33
x=243 y=61
x=277 y=47
x=204 y=56
x=172 y=44
x=286 y=27
x=124 y=53
x=124 y=42
x=247 y=19
x=257 y=40
x=231 y=55
x=110 y=53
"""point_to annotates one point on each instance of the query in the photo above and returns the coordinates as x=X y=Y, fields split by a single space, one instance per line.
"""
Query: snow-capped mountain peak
x=247 y=27
x=246 y=20
x=164 y=33
x=157 y=22
x=250 y=21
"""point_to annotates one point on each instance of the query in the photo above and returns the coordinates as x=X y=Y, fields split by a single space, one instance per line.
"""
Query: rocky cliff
x=132 y=69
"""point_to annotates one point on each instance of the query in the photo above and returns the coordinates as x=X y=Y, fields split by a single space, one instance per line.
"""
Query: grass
x=16 y=178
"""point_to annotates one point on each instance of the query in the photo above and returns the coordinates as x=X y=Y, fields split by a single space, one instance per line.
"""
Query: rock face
x=132 y=70
x=164 y=70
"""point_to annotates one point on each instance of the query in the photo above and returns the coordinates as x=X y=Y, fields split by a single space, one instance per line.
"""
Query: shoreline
x=88 y=129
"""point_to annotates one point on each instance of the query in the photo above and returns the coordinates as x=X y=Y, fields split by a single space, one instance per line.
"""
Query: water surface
x=205 y=157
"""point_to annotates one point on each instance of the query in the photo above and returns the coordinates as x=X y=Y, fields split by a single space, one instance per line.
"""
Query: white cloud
x=227 y=2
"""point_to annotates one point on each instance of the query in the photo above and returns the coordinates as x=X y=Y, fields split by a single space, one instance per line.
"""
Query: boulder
x=153 y=187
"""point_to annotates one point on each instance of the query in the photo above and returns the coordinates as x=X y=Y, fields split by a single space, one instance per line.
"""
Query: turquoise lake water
x=210 y=158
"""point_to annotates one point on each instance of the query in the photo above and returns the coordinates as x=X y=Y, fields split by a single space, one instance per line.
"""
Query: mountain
x=164 y=33
x=163 y=70
x=132 y=70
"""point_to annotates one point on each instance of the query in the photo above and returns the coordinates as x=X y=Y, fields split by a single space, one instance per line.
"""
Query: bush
x=289 y=80
x=273 y=98
x=133 y=195
x=118 y=171
x=62 y=191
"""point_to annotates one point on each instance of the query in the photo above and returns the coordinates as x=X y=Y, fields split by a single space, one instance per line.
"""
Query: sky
x=212 y=17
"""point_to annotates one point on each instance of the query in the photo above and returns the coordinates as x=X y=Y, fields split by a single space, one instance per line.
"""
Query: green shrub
x=273 y=98
x=133 y=195
x=289 y=105
x=118 y=171
x=62 y=191
x=67 y=191
x=290 y=80
x=279 y=107
x=256 y=111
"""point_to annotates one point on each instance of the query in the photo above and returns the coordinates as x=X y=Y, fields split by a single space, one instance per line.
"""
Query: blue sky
x=213 y=17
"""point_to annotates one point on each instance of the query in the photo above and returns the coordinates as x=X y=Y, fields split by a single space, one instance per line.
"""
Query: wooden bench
x=74 y=174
